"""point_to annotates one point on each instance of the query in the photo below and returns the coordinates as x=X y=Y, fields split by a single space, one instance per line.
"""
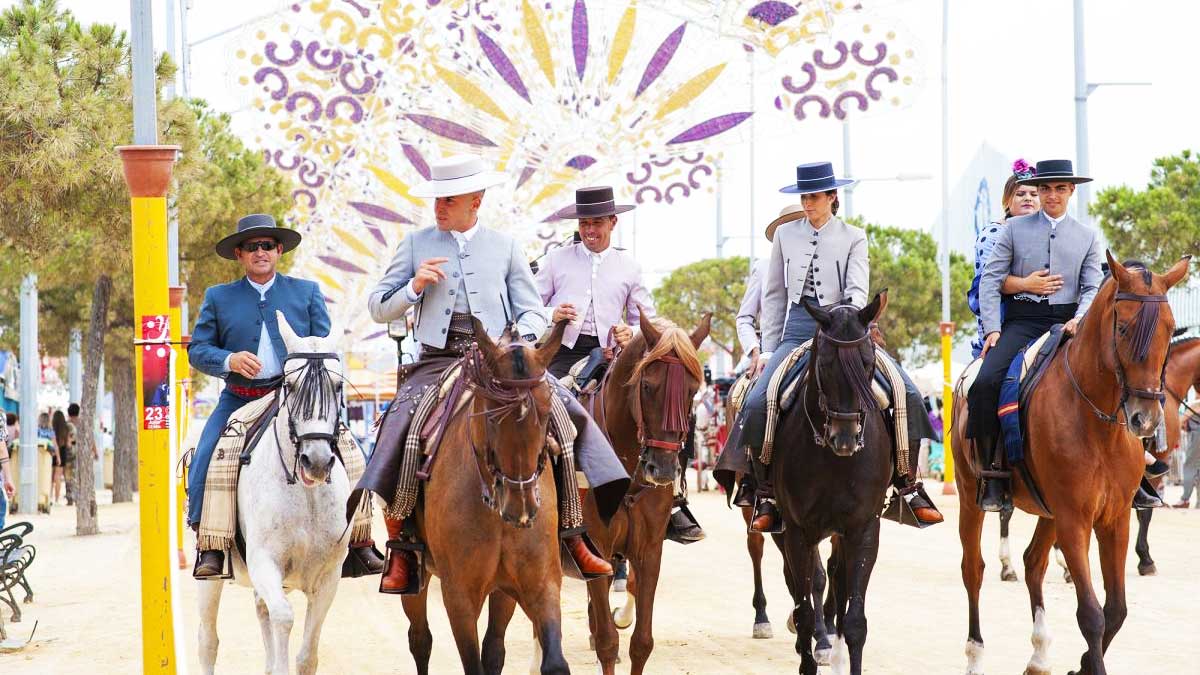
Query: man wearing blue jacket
x=237 y=338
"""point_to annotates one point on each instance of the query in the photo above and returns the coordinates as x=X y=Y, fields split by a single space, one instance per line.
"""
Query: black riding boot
x=1147 y=497
x=994 y=493
x=745 y=492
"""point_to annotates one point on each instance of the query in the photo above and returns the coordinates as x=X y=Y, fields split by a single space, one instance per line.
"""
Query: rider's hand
x=622 y=334
x=1041 y=282
x=245 y=364
x=760 y=363
x=428 y=272
x=989 y=341
x=1071 y=326
x=753 y=356
x=565 y=311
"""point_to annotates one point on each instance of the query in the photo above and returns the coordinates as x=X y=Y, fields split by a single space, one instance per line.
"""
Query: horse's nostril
x=305 y=461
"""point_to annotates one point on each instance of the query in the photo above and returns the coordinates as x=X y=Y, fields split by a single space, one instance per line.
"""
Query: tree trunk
x=85 y=477
x=125 y=419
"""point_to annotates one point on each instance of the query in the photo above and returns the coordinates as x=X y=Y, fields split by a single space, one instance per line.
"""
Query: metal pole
x=185 y=51
x=169 y=85
x=1082 y=191
x=75 y=367
x=947 y=327
x=848 y=192
x=753 y=201
x=101 y=394
x=145 y=116
x=30 y=377
x=720 y=223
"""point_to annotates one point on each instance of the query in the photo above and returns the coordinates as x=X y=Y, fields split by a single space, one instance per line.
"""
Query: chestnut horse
x=489 y=517
x=643 y=407
x=1100 y=395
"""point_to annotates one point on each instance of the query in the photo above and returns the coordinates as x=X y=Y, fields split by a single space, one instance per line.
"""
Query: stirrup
x=760 y=503
x=416 y=577
x=226 y=572
x=570 y=568
x=900 y=510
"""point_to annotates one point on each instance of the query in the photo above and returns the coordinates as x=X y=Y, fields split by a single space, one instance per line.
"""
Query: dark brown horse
x=489 y=515
x=643 y=408
x=1098 y=398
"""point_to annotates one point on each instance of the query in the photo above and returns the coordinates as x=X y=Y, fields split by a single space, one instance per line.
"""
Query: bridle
x=859 y=416
x=509 y=397
x=1126 y=391
x=310 y=391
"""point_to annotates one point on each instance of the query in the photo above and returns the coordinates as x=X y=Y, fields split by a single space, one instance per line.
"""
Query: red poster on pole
x=156 y=372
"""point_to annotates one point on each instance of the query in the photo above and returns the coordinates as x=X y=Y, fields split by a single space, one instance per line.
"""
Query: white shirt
x=461 y=238
x=588 y=327
x=266 y=351
x=1054 y=221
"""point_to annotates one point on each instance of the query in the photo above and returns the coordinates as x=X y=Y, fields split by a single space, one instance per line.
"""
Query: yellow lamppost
x=947 y=330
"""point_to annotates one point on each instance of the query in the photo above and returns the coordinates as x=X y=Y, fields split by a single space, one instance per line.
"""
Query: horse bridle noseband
x=312 y=360
x=859 y=416
x=512 y=396
x=1126 y=390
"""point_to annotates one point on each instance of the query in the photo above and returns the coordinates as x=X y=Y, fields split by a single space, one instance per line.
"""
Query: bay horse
x=1100 y=395
x=489 y=517
x=291 y=514
x=831 y=469
x=643 y=406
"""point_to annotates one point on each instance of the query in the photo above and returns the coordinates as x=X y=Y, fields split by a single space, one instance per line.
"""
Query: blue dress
x=983 y=248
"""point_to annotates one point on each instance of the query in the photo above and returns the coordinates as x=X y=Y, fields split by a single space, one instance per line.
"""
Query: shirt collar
x=263 y=288
x=598 y=256
x=464 y=237
x=1054 y=221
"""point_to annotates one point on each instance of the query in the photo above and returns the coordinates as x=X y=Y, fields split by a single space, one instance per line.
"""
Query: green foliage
x=905 y=262
x=715 y=285
x=1159 y=224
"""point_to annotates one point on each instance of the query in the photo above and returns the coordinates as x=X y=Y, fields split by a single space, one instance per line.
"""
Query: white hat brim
x=458 y=186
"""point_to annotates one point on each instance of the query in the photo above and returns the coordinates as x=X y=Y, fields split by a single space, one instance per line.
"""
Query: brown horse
x=1099 y=397
x=483 y=518
x=643 y=407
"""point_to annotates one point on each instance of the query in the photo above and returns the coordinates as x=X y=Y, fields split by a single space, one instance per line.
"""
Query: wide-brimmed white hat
x=786 y=215
x=458 y=175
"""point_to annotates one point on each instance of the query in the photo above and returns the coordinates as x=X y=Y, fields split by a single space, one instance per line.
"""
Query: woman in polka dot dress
x=1018 y=200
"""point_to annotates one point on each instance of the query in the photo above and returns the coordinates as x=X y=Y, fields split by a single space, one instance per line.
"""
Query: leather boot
x=1147 y=497
x=683 y=527
x=922 y=507
x=994 y=493
x=766 y=516
x=400 y=567
x=362 y=560
x=209 y=564
x=745 y=492
x=589 y=563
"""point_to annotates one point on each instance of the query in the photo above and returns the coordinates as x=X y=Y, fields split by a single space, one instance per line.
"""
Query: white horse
x=291 y=509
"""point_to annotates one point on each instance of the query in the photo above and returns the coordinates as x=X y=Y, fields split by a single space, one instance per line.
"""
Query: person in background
x=7 y=489
x=64 y=440
x=1191 y=460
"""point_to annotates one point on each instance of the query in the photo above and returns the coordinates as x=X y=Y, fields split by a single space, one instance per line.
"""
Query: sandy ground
x=88 y=597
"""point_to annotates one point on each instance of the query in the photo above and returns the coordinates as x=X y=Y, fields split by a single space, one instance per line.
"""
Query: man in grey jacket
x=1047 y=240
x=449 y=275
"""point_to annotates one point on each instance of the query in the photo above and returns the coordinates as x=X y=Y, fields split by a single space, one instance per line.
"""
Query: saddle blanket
x=218 y=519
x=778 y=396
x=408 y=484
x=1027 y=357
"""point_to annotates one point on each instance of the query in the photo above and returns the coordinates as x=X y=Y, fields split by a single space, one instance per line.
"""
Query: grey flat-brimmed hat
x=257 y=225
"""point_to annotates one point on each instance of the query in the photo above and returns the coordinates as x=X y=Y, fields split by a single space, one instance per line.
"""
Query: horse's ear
x=285 y=331
x=701 y=333
x=1178 y=271
x=816 y=311
x=549 y=347
x=871 y=313
x=649 y=332
x=482 y=338
x=1118 y=270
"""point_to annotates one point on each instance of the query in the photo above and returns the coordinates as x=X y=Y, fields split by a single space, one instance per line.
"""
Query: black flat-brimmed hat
x=815 y=177
x=257 y=225
x=1054 y=171
x=593 y=202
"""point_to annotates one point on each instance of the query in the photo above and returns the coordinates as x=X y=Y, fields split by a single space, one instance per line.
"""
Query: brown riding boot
x=401 y=564
x=589 y=563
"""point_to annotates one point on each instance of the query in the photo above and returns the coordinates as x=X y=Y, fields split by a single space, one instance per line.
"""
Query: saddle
x=587 y=373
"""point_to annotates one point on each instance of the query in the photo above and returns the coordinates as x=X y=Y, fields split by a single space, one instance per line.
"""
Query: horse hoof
x=762 y=631
x=617 y=619
x=823 y=656
x=1008 y=575
x=791 y=625
x=1147 y=570
x=1029 y=670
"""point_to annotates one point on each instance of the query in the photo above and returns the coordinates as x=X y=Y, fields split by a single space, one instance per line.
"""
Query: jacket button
x=456 y=275
x=447 y=312
x=818 y=283
x=451 y=291
x=443 y=331
x=816 y=269
x=815 y=256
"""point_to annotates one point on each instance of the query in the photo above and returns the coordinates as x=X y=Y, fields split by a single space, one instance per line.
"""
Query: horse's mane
x=860 y=382
x=673 y=338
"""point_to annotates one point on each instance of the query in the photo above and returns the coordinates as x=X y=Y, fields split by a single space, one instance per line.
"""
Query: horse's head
x=312 y=403
x=1137 y=322
x=841 y=368
x=663 y=383
x=509 y=418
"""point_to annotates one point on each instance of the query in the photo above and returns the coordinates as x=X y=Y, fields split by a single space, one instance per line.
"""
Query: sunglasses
x=259 y=246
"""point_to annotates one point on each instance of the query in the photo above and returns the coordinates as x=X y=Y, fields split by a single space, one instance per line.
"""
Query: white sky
x=1011 y=86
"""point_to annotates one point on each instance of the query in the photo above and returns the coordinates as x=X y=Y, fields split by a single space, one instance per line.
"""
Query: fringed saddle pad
x=408 y=485
x=891 y=373
x=218 y=520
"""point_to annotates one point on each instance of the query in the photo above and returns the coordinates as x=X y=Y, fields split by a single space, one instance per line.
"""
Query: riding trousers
x=1023 y=323
x=227 y=404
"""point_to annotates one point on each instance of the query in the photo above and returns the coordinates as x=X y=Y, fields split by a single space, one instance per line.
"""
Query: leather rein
x=319 y=376
x=1126 y=391
x=859 y=416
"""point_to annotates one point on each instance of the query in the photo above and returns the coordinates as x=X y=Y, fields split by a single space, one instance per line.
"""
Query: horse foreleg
x=800 y=556
x=1146 y=566
x=420 y=640
x=268 y=587
x=541 y=604
x=319 y=601
x=1075 y=537
x=463 y=606
x=604 y=631
x=501 y=607
x=646 y=567
x=787 y=579
x=823 y=648
x=754 y=546
x=861 y=550
x=1037 y=557
x=1113 y=541
x=970 y=529
x=1007 y=573
x=210 y=602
